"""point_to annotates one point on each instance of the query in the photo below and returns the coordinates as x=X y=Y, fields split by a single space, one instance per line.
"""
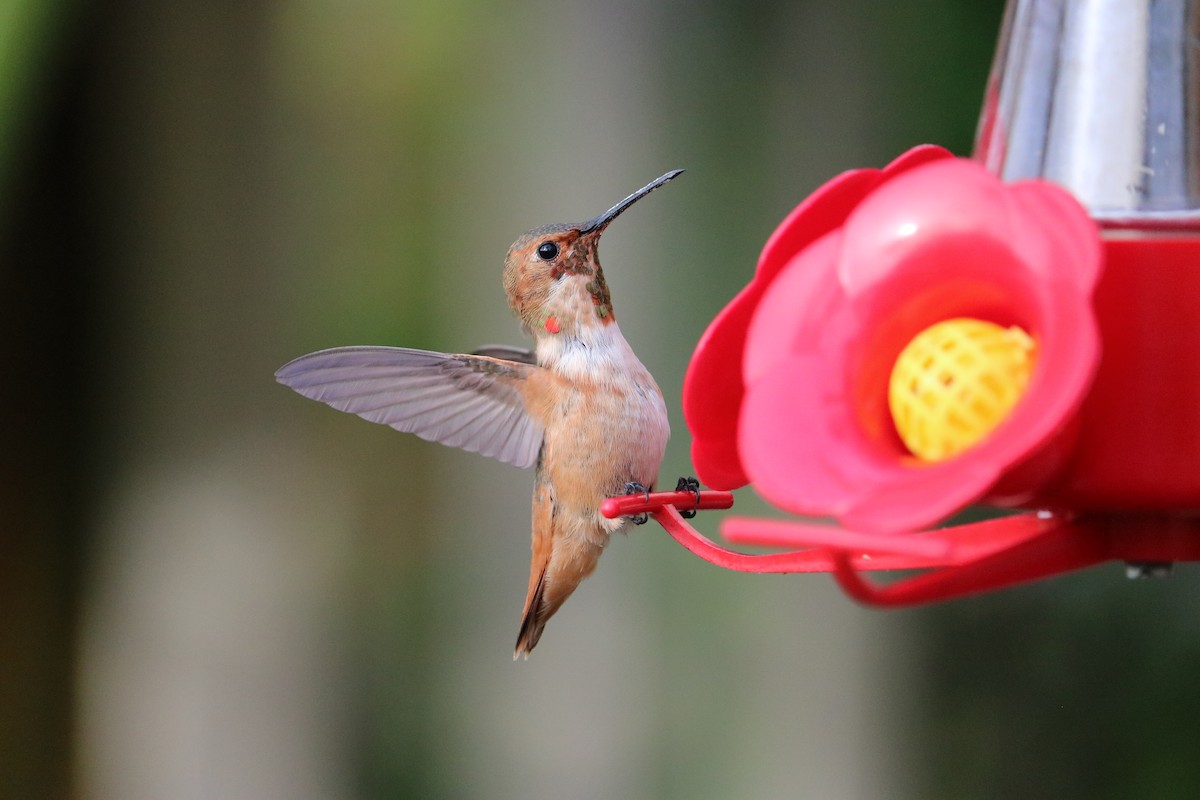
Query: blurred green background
x=212 y=588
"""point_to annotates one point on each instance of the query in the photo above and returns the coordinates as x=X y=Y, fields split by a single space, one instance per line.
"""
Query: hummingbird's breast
x=605 y=421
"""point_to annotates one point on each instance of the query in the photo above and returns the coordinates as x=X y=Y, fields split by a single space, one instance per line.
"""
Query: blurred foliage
x=1077 y=687
x=32 y=34
x=41 y=494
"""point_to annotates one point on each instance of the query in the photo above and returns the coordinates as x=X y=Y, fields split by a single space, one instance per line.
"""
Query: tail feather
x=547 y=597
x=533 y=621
x=563 y=555
x=551 y=582
x=533 y=616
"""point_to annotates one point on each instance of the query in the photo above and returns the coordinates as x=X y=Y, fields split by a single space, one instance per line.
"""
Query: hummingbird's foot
x=688 y=485
x=633 y=487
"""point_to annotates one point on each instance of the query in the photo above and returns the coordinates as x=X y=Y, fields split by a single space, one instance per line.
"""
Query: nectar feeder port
x=1076 y=226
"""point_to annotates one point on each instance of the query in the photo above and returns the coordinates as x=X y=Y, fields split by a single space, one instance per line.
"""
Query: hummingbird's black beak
x=601 y=222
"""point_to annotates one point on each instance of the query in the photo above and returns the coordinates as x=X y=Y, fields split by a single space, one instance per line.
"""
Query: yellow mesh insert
x=955 y=382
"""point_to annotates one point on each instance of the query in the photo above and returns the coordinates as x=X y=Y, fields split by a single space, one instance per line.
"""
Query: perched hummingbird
x=579 y=407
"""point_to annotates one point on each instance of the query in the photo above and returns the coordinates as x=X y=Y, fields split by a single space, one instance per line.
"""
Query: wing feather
x=507 y=352
x=469 y=401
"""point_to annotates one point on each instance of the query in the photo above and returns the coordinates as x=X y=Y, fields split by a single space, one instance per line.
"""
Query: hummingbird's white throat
x=589 y=352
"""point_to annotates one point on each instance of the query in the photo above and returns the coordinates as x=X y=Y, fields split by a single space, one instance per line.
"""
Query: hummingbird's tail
x=552 y=580
x=532 y=620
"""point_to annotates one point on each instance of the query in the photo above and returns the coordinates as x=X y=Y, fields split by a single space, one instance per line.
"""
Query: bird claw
x=633 y=487
x=688 y=485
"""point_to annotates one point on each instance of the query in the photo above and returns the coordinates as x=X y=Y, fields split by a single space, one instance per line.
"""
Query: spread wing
x=507 y=352
x=468 y=401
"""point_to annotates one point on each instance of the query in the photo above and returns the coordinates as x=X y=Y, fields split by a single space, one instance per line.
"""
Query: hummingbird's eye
x=547 y=251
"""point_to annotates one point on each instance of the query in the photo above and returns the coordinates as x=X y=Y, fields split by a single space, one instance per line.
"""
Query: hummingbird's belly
x=602 y=440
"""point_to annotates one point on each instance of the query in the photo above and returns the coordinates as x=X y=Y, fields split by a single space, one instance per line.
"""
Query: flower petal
x=793 y=312
x=828 y=207
x=944 y=239
x=712 y=386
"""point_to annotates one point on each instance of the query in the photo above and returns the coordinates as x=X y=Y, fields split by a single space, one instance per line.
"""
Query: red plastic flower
x=788 y=387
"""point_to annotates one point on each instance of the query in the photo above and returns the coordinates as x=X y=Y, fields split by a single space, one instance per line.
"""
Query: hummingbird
x=579 y=407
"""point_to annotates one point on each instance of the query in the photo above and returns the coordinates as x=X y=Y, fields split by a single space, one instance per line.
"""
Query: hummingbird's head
x=552 y=274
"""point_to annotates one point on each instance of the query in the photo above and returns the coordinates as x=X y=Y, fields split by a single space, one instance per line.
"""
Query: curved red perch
x=958 y=561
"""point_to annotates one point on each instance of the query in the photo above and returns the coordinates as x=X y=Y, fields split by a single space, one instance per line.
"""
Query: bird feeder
x=1019 y=330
